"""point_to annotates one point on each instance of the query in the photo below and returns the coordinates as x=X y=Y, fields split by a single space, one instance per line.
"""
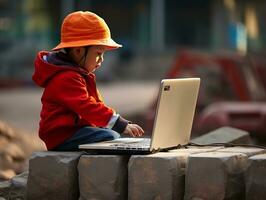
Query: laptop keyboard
x=145 y=143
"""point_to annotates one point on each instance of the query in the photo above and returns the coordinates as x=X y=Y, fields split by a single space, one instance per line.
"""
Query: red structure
x=232 y=90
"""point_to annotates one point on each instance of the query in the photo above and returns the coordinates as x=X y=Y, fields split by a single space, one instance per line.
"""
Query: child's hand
x=134 y=130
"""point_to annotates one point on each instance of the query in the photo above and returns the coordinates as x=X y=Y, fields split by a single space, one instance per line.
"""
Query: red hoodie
x=70 y=100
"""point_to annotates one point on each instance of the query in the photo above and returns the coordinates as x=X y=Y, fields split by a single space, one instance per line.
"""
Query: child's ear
x=78 y=51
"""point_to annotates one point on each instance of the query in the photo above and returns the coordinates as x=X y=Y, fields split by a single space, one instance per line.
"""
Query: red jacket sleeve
x=70 y=89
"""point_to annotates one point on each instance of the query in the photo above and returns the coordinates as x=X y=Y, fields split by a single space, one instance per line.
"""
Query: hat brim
x=109 y=43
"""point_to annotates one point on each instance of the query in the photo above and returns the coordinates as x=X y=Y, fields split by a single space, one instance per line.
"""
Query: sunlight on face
x=94 y=57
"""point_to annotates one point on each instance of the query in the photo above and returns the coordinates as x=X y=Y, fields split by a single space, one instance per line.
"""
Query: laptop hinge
x=169 y=148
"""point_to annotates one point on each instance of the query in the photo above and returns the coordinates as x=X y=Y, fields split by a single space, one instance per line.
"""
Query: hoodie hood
x=48 y=64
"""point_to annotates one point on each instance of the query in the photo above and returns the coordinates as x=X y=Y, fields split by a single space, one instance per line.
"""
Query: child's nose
x=101 y=58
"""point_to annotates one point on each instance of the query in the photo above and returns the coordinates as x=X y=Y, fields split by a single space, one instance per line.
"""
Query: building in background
x=144 y=27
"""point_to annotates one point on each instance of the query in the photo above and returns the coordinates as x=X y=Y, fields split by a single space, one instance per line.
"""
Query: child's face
x=94 y=57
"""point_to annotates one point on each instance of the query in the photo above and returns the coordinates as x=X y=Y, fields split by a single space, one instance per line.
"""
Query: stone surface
x=160 y=175
x=256 y=178
x=249 y=151
x=15 y=188
x=53 y=175
x=194 y=150
x=215 y=175
x=224 y=135
x=103 y=177
x=20 y=180
x=195 y=173
x=156 y=177
x=4 y=188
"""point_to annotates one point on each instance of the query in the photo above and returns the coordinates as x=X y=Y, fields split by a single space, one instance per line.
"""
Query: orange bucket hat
x=84 y=29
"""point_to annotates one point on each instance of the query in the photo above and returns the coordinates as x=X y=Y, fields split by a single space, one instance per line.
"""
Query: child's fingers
x=134 y=130
x=130 y=131
x=137 y=130
x=141 y=131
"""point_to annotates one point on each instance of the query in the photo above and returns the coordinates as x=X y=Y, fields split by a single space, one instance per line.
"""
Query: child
x=73 y=112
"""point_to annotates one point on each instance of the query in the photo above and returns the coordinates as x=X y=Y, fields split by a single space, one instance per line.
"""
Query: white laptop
x=172 y=124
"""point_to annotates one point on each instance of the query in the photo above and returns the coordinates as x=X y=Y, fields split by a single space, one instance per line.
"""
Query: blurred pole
x=157 y=25
x=67 y=6
x=219 y=23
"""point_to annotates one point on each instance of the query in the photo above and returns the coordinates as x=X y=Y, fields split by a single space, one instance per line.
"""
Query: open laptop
x=172 y=124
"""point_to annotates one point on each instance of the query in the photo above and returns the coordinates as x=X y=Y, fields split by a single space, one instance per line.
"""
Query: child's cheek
x=97 y=59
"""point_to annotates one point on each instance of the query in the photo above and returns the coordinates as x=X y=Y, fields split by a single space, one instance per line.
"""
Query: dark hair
x=67 y=50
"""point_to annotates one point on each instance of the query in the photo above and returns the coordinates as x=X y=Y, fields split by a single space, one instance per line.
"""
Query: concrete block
x=160 y=175
x=224 y=135
x=215 y=175
x=103 y=177
x=194 y=150
x=256 y=178
x=248 y=151
x=53 y=176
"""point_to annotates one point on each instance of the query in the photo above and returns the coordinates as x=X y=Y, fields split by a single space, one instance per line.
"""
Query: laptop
x=172 y=124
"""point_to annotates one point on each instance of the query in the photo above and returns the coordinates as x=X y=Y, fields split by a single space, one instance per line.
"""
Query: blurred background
x=221 y=41
x=150 y=31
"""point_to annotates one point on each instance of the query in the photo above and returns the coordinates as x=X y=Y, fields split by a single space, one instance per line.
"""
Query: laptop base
x=115 y=152
x=128 y=151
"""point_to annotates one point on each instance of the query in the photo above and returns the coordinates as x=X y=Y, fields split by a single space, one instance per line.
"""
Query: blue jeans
x=86 y=135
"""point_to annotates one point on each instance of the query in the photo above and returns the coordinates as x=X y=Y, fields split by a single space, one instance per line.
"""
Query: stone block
x=53 y=176
x=224 y=135
x=215 y=175
x=194 y=150
x=18 y=187
x=249 y=151
x=256 y=178
x=160 y=175
x=103 y=177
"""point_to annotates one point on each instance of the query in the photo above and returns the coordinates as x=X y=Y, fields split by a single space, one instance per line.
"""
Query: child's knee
x=114 y=135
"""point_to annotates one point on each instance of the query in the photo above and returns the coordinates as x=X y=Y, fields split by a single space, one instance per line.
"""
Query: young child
x=73 y=112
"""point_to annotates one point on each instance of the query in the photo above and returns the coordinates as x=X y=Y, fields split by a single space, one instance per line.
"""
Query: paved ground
x=20 y=107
